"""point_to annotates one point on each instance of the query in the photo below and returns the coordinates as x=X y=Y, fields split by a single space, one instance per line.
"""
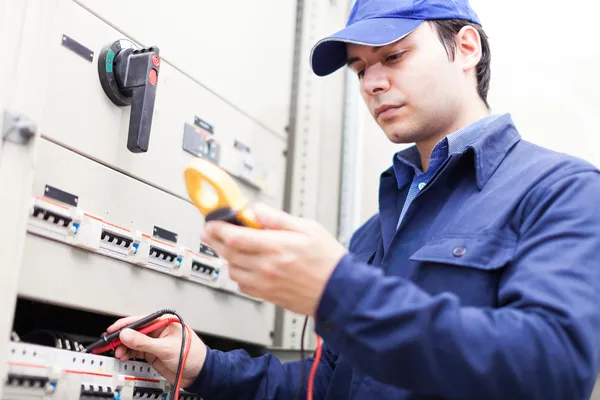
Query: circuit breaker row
x=40 y=372
x=67 y=223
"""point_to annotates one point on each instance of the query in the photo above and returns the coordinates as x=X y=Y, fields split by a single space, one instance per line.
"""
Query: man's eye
x=361 y=73
x=394 y=57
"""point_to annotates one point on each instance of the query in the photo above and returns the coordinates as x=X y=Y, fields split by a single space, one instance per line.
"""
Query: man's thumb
x=138 y=341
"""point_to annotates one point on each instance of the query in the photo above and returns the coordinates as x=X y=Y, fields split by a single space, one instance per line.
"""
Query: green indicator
x=110 y=56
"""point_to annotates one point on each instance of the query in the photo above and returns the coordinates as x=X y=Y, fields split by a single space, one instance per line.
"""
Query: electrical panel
x=42 y=372
x=121 y=112
x=130 y=108
x=96 y=227
x=104 y=106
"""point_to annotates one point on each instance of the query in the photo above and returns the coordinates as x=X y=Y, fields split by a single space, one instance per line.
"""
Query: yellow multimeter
x=214 y=192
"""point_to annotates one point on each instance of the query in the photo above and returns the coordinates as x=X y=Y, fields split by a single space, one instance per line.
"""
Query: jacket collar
x=490 y=147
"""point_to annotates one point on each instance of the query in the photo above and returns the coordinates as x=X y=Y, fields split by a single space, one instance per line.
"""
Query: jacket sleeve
x=542 y=342
x=236 y=375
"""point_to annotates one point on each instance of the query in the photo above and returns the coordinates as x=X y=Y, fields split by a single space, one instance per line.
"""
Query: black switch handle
x=129 y=77
x=140 y=120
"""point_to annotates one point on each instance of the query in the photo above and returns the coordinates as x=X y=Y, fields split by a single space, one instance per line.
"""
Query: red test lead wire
x=145 y=330
x=313 y=370
x=188 y=345
x=166 y=321
x=151 y=328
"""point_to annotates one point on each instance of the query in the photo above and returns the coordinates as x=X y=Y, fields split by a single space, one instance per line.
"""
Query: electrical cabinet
x=87 y=149
x=91 y=279
x=79 y=115
x=103 y=104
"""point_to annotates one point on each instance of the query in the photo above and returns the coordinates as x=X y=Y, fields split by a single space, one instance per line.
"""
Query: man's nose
x=375 y=80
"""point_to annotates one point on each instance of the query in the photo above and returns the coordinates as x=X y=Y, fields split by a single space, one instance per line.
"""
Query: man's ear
x=468 y=43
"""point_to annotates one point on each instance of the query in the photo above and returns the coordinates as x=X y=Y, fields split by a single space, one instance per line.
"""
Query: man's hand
x=161 y=349
x=287 y=263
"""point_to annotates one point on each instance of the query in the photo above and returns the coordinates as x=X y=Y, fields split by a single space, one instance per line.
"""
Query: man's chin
x=398 y=134
x=400 y=139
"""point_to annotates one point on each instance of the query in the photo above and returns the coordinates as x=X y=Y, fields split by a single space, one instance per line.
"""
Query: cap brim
x=329 y=54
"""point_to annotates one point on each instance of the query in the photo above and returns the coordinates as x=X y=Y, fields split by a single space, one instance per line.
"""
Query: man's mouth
x=386 y=111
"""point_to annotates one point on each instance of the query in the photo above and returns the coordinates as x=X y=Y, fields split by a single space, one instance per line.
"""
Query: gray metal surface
x=313 y=176
x=288 y=190
x=351 y=176
x=596 y=392
x=61 y=274
x=21 y=27
x=58 y=274
x=80 y=116
x=239 y=51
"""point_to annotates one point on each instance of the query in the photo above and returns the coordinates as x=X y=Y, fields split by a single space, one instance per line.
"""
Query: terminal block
x=28 y=386
x=129 y=77
x=53 y=219
x=116 y=241
x=41 y=372
x=201 y=268
x=97 y=392
x=158 y=254
x=64 y=223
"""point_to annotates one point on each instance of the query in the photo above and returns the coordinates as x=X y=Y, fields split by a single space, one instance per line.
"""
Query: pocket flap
x=364 y=255
x=482 y=251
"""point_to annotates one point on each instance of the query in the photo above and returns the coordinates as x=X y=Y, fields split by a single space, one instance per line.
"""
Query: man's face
x=410 y=87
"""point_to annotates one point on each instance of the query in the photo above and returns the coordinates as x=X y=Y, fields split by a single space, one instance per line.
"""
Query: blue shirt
x=407 y=163
x=489 y=289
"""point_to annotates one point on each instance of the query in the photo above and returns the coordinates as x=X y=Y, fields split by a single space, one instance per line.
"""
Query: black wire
x=180 y=364
x=302 y=371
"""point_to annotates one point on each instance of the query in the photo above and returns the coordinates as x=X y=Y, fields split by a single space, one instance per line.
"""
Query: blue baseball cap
x=382 y=22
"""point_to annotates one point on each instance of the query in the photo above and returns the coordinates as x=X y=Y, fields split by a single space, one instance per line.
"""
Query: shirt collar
x=489 y=138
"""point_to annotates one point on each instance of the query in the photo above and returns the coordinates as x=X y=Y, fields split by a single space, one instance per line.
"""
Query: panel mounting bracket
x=17 y=127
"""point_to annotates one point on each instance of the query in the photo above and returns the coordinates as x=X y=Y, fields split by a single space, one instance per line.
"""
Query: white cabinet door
x=21 y=45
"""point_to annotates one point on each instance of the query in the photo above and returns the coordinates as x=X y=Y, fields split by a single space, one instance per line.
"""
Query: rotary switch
x=128 y=77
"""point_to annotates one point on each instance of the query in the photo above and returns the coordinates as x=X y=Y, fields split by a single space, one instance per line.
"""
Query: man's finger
x=243 y=276
x=120 y=351
x=222 y=235
x=251 y=291
x=130 y=320
x=124 y=354
x=123 y=322
x=255 y=264
x=272 y=218
x=140 y=342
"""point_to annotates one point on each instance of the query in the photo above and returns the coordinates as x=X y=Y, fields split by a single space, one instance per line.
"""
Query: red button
x=155 y=60
x=153 y=76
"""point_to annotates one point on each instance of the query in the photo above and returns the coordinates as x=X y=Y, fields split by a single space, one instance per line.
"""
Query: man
x=479 y=277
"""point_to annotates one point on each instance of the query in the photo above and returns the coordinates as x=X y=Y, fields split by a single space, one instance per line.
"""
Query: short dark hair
x=447 y=30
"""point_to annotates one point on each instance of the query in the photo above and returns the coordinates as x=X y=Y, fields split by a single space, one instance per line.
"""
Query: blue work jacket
x=489 y=289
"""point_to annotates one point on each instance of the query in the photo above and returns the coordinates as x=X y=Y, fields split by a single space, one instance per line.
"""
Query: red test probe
x=145 y=326
x=145 y=330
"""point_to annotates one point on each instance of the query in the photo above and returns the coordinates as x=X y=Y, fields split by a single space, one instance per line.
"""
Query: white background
x=545 y=72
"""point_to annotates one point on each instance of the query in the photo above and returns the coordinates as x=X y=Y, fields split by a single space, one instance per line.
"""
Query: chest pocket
x=469 y=266
x=368 y=251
